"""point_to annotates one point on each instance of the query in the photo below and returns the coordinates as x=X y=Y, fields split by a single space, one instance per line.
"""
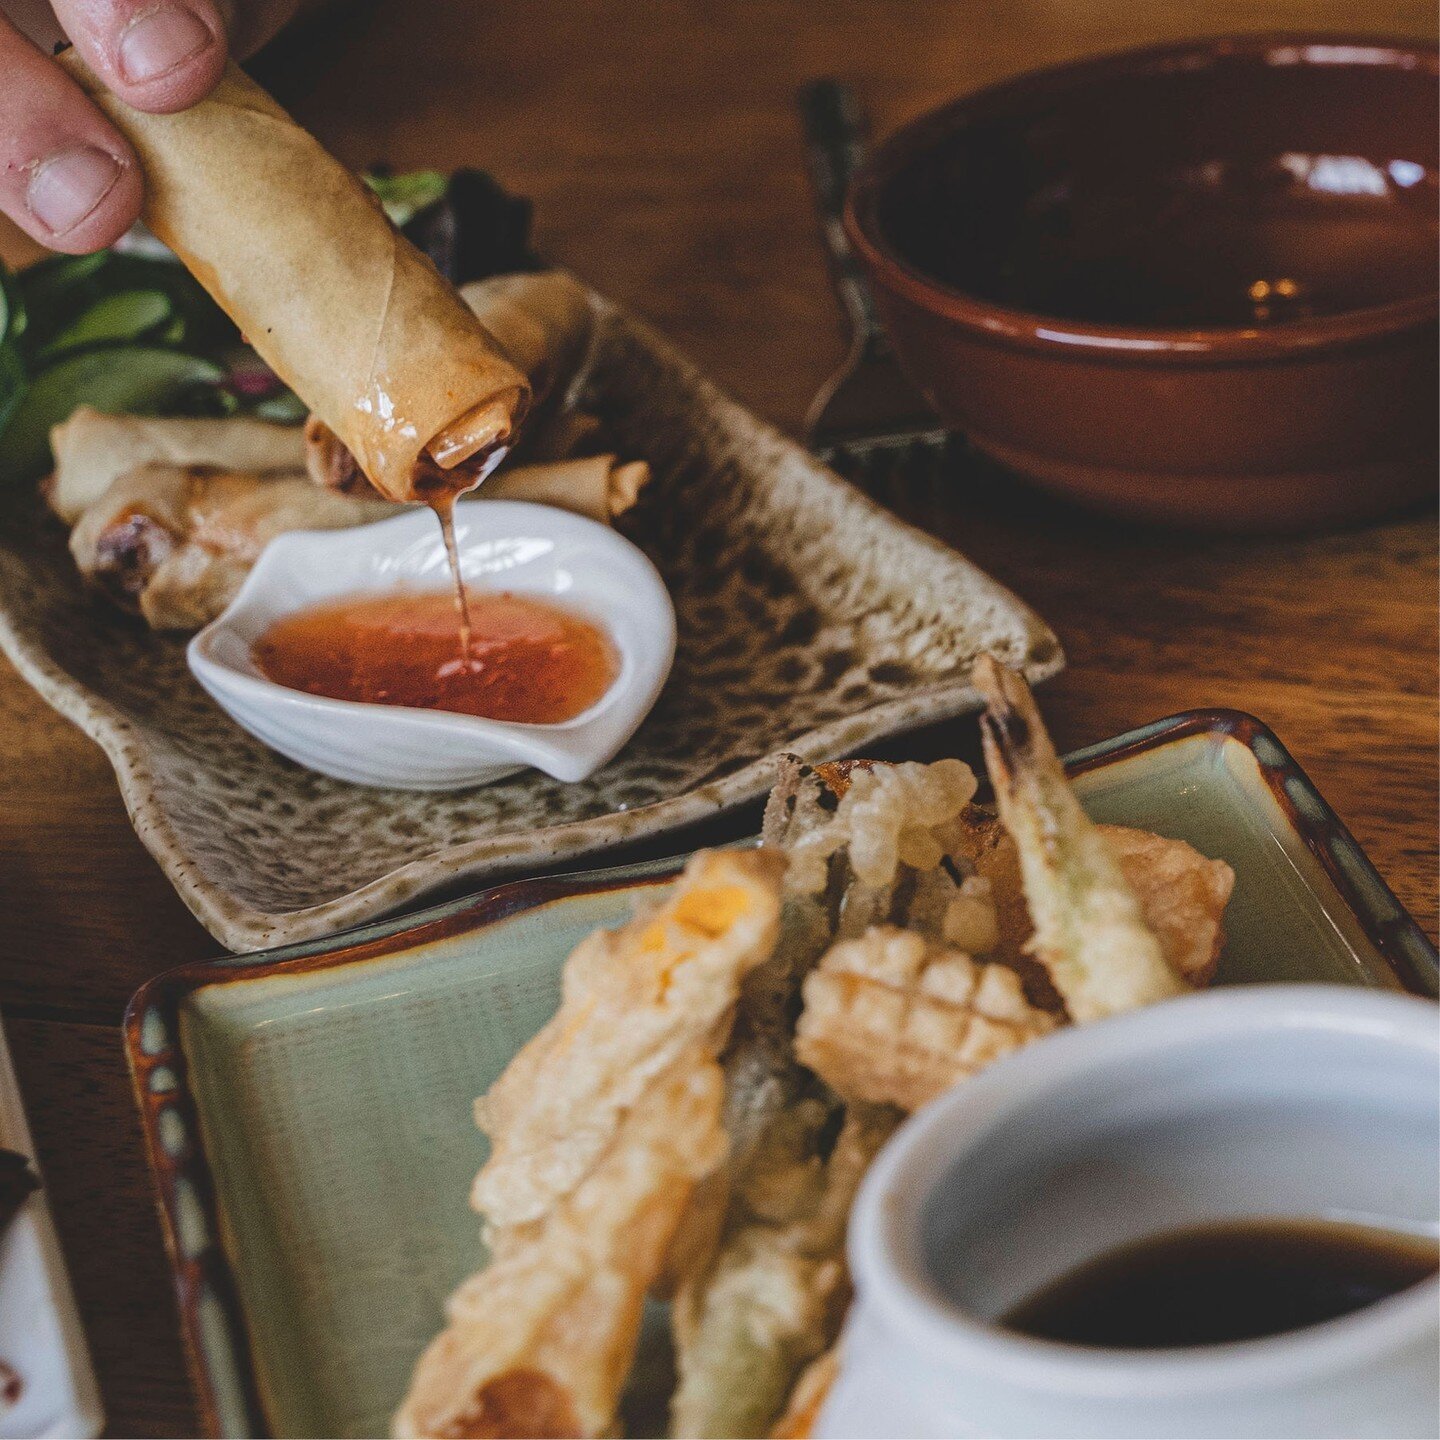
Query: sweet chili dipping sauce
x=526 y=660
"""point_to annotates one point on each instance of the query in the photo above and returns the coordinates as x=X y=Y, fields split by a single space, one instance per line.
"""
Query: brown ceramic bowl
x=1193 y=284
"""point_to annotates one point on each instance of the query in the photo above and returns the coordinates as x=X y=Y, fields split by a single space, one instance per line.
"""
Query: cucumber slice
x=286 y=408
x=60 y=291
x=13 y=382
x=127 y=315
x=13 y=376
x=12 y=308
x=140 y=379
x=44 y=283
x=404 y=195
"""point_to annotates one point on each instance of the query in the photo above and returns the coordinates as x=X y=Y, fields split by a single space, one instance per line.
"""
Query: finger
x=67 y=177
x=157 y=55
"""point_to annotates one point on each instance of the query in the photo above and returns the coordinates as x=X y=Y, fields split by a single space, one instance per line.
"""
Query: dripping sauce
x=523 y=659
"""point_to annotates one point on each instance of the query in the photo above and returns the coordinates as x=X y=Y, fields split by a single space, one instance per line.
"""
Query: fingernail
x=67 y=187
x=156 y=43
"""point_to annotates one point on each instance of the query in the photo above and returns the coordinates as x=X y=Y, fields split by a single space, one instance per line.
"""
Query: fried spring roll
x=176 y=542
x=541 y=322
x=296 y=249
x=597 y=486
x=93 y=449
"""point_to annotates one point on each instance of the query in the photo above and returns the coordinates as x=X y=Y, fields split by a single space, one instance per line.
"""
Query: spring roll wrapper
x=93 y=449
x=299 y=253
x=597 y=487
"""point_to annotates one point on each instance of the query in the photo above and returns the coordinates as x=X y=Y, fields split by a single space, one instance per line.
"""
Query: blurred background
x=659 y=140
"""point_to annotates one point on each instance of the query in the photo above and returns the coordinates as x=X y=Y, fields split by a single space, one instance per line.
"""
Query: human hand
x=67 y=176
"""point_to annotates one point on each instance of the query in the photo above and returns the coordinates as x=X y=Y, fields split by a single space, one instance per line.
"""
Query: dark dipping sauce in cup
x=1217 y=1284
x=526 y=660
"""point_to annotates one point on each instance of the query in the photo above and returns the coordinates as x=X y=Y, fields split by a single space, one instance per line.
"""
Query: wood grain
x=658 y=141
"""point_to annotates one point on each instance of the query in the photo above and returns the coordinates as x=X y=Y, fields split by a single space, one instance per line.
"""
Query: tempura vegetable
x=773 y=1299
x=894 y=1018
x=1090 y=932
x=539 y=1343
x=633 y=1000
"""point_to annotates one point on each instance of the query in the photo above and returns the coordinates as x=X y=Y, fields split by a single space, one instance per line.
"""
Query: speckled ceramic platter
x=307 y=1113
x=810 y=620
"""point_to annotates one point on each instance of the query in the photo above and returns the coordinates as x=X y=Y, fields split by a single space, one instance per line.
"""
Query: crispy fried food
x=825 y=997
x=602 y=1129
x=802 y=1409
x=633 y=1000
x=176 y=541
x=887 y=844
x=776 y=1292
x=1182 y=897
x=889 y=816
x=541 y=322
x=732 y=1272
x=93 y=450
x=893 y=1018
x=1090 y=932
x=539 y=1343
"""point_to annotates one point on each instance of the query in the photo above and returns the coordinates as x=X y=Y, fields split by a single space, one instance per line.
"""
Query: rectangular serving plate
x=307 y=1111
x=809 y=619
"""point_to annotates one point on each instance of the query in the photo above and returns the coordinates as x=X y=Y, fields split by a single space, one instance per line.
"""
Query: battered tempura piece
x=1089 y=930
x=634 y=999
x=752 y=1259
x=776 y=1293
x=1182 y=896
x=602 y=1126
x=539 y=1342
x=812 y=1389
x=891 y=1018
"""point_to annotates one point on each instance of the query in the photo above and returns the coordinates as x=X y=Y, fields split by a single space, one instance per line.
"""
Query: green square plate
x=308 y=1111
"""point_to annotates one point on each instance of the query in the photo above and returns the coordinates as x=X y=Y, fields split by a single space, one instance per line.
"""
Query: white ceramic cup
x=1293 y=1101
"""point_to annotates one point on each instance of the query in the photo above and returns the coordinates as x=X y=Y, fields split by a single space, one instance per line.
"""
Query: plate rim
x=152 y=1041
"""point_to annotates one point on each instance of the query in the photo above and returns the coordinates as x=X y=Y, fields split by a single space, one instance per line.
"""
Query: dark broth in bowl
x=1217 y=1284
x=1236 y=194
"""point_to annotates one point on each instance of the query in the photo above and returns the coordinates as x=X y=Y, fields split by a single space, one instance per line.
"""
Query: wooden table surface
x=658 y=141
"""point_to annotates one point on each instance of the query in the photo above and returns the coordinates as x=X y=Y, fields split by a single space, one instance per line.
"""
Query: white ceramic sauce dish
x=1276 y=1101
x=533 y=550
